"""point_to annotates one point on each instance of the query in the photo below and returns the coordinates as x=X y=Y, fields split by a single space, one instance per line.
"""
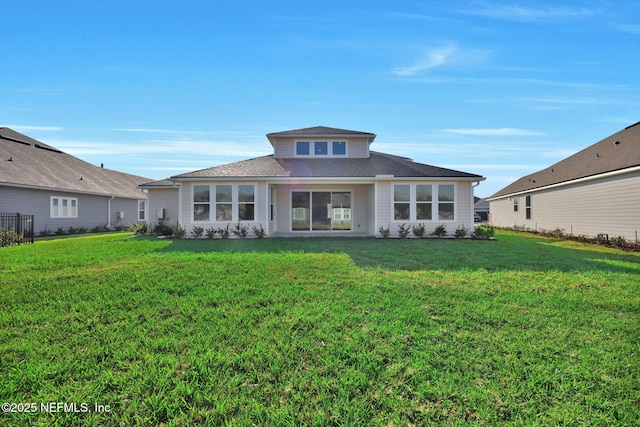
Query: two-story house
x=318 y=181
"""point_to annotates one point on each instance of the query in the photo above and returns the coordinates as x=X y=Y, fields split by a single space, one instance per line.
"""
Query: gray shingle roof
x=376 y=164
x=321 y=131
x=616 y=152
x=163 y=183
x=27 y=162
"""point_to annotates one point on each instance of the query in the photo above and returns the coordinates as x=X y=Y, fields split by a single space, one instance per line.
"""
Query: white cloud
x=493 y=132
x=498 y=167
x=432 y=58
x=448 y=54
x=154 y=147
x=526 y=14
x=28 y=128
x=628 y=28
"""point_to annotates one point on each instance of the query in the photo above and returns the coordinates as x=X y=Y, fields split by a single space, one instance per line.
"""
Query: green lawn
x=339 y=332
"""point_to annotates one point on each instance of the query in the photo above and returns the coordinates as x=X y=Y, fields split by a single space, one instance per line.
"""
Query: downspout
x=375 y=207
x=109 y=212
x=180 y=202
x=267 y=210
x=473 y=204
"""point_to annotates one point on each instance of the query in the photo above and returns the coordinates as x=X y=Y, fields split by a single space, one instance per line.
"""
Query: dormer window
x=321 y=148
x=339 y=148
x=302 y=148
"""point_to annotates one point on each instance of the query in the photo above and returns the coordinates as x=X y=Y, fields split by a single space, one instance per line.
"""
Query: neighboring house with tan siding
x=62 y=191
x=595 y=191
x=319 y=181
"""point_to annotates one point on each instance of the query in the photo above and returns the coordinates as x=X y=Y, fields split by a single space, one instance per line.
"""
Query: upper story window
x=302 y=148
x=321 y=148
x=339 y=148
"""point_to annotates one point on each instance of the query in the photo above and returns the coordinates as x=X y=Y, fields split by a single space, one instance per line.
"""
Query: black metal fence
x=16 y=228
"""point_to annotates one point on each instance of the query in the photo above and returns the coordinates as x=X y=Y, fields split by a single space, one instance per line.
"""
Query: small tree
x=404 y=230
x=418 y=230
x=224 y=232
x=385 y=232
x=197 y=232
x=259 y=232
x=211 y=233
x=461 y=232
x=440 y=231
x=240 y=231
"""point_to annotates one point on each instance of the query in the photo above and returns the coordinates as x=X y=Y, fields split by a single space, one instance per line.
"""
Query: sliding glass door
x=320 y=211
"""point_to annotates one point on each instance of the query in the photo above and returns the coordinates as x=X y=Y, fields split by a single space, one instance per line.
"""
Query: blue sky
x=156 y=88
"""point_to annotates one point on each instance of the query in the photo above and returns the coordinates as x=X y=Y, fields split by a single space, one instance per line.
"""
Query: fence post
x=18 y=226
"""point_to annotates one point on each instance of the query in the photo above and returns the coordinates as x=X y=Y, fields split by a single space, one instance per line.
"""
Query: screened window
x=224 y=203
x=201 y=203
x=515 y=204
x=446 y=201
x=320 y=211
x=424 y=202
x=527 y=205
x=401 y=201
x=246 y=202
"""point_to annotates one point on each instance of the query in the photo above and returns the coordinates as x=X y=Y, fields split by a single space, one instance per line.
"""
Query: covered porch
x=328 y=209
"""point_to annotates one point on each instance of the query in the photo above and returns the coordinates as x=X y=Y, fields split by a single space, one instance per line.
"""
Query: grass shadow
x=509 y=252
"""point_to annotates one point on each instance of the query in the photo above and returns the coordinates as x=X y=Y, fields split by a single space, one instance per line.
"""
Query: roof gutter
x=68 y=190
x=109 y=211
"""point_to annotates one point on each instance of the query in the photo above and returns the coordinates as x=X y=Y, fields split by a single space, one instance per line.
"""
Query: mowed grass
x=328 y=332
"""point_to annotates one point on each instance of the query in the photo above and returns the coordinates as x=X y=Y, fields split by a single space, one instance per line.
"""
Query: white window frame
x=309 y=148
x=435 y=202
x=253 y=202
x=312 y=148
x=142 y=210
x=204 y=203
x=57 y=210
x=235 y=208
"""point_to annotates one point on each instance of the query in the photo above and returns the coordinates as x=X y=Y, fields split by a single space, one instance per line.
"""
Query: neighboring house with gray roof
x=319 y=181
x=63 y=191
x=595 y=191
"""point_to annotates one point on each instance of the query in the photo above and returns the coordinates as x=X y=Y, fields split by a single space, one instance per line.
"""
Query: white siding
x=370 y=207
x=609 y=205
x=358 y=148
x=162 y=198
x=260 y=213
x=463 y=213
x=383 y=208
x=362 y=212
x=284 y=148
